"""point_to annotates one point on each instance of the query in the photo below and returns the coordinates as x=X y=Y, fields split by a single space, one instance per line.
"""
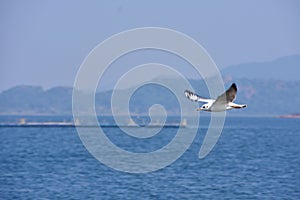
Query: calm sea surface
x=255 y=158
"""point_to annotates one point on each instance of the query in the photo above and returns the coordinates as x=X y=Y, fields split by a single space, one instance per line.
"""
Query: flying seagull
x=222 y=103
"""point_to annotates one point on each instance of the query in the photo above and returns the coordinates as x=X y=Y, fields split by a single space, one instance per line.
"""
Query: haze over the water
x=44 y=42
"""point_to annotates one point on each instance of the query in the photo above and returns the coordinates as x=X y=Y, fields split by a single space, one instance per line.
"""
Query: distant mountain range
x=33 y=100
x=264 y=97
x=269 y=88
x=285 y=68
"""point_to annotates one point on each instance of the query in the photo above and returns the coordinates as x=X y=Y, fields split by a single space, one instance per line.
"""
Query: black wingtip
x=233 y=85
x=187 y=92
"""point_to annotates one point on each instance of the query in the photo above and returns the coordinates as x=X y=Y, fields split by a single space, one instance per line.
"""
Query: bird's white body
x=218 y=108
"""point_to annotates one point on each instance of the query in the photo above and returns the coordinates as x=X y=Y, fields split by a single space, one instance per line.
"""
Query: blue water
x=255 y=158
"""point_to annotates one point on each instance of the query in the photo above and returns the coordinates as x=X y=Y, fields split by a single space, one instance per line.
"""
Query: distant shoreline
x=146 y=115
x=293 y=116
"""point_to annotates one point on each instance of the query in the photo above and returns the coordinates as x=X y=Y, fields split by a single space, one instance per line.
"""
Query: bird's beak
x=198 y=109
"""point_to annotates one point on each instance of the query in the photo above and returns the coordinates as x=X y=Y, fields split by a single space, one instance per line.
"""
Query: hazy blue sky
x=44 y=42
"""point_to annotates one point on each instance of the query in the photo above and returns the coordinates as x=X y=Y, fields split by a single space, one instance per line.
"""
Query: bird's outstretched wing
x=194 y=97
x=228 y=96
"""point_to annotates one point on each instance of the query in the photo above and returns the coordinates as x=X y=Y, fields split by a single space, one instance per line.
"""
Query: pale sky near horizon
x=44 y=42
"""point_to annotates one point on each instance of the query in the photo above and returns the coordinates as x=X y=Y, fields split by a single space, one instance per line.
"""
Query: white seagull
x=222 y=103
